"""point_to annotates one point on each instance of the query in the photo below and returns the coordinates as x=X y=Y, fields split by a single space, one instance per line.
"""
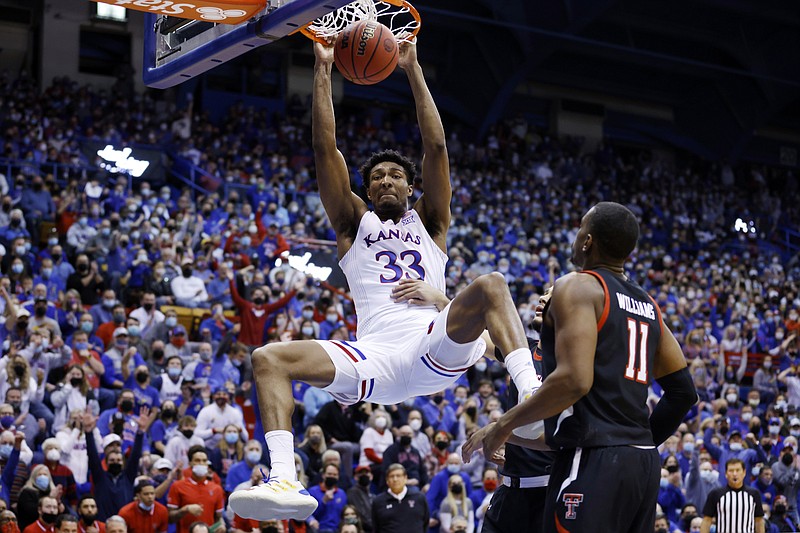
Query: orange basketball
x=366 y=52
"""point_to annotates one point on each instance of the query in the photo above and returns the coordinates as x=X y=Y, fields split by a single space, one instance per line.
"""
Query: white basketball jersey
x=169 y=390
x=382 y=254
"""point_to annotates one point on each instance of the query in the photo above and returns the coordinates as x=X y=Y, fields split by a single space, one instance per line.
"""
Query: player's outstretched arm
x=434 y=205
x=575 y=306
x=671 y=372
x=344 y=208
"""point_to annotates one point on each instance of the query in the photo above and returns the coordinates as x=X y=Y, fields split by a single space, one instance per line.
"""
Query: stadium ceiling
x=726 y=68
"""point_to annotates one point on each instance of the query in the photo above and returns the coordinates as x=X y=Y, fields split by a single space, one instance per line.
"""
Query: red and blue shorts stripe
x=436 y=368
x=355 y=355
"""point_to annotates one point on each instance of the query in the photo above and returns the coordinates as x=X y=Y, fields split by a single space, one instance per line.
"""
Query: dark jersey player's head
x=608 y=233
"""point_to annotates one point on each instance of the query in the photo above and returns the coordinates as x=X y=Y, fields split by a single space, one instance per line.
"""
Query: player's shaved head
x=614 y=229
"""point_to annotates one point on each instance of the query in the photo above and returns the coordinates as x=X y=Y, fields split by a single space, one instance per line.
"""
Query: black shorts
x=603 y=489
x=515 y=510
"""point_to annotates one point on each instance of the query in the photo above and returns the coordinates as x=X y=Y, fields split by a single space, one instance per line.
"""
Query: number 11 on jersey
x=637 y=349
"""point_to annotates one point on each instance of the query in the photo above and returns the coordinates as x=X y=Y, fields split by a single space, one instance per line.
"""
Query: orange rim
x=397 y=3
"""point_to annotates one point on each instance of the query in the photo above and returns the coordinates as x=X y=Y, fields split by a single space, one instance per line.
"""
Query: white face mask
x=731 y=398
x=381 y=422
x=415 y=424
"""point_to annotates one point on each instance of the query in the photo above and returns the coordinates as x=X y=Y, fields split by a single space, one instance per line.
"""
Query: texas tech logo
x=572 y=501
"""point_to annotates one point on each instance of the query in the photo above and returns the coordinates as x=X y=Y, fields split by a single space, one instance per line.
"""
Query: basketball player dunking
x=404 y=349
x=603 y=341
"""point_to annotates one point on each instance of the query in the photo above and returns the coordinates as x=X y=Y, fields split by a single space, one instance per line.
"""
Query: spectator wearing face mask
x=700 y=480
x=195 y=497
x=662 y=524
x=171 y=380
x=456 y=505
x=331 y=323
x=182 y=441
x=254 y=315
x=440 y=482
x=103 y=311
x=38 y=486
x=482 y=498
x=240 y=471
x=9 y=463
x=119 y=361
x=188 y=289
x=670 y=497
x=47 y=510
x=404 y=453
x=143 y=392
x=734 y=449
x=213 y=418
x=147 y=313
x=86 y=325
x=331 y=499
x=203 y=368
x=107 y=328
x=375 y=439
x=228 y=451
x=145 y=514
x=59 y=473
x=780 y=519
x=39 y=319
x=786 y=476
x=179 y=345
x=360 y=498
x=113 y=488
x=765 y=382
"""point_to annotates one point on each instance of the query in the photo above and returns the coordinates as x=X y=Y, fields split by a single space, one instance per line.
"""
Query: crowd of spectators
x=114 y=412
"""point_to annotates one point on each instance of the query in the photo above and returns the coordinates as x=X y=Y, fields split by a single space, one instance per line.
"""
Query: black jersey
x=614 y=412
x=524 y=462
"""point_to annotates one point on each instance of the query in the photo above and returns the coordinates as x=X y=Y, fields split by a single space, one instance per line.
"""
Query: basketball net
x=398 y=15
x=217 y=11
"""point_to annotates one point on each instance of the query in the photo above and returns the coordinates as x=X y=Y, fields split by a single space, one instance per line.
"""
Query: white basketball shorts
x=390 y=366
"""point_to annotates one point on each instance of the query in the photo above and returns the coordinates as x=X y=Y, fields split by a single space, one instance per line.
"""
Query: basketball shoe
x=275 y=499
x=531 y=431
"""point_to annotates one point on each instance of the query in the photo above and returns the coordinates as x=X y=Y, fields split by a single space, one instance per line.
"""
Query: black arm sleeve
x=679 y=396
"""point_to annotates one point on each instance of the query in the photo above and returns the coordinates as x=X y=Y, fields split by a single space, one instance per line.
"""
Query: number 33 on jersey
x=382 y=254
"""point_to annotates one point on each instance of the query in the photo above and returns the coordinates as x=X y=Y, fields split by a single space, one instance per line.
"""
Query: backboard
x=178 y=49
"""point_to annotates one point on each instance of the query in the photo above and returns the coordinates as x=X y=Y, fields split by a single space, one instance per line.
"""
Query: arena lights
x=744 y=227
x=121 y=161
x=302 y=264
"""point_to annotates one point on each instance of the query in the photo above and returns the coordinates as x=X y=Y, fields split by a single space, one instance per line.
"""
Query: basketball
x=366 y=52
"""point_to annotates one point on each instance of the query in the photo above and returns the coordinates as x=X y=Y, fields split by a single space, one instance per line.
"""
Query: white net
x=402 y=19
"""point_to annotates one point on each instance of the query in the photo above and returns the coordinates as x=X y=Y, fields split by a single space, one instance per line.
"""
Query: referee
x=736 y=507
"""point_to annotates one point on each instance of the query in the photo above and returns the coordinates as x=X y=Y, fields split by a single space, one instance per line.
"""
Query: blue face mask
x=144 y=507
x=664 y=483
x=453 y=469
x=231 y=438
x=5 y=450
x=174 y=372
x=42 y=482
x=253 y=457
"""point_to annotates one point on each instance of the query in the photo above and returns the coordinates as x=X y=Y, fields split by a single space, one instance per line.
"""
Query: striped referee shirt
x=734 y=509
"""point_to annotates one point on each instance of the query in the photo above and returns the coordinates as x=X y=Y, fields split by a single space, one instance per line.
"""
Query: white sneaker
x=531 y=431
x=276 y=499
